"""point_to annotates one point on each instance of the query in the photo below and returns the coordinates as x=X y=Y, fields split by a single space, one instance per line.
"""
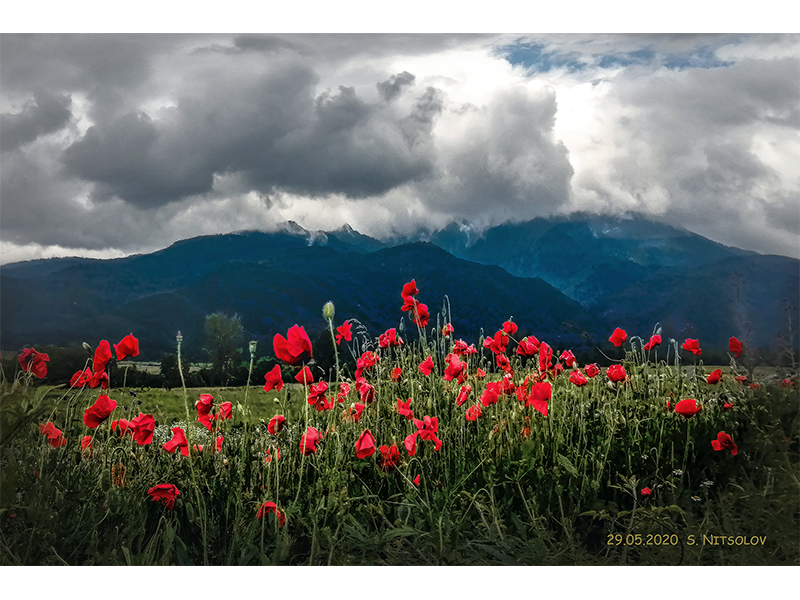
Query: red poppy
x=510 y=328
x=557 y=369
x=317 y=399
x=225 y=411
x=271 y=507
x=741 y=378
x=506 y=385
x=409 y=289
x=460 y=347
x=568 y=357
x=688 y=408
x=498 y=343
x=32 y=361
x=577 y=378
x=389 y=338
x=404 y=410
x=727 y=406
x=426 y=366
x=365 y=361
x=541 y=393
x=365 y=445
x=456 y=368
x=269 y=458
x=447 y=330
x=787 y=383
x=735 y=346
x=304 y=376
x=390 y=457
x=354 y=412
x=427 y=430
x=100 y=379
x=474 y=412
x=344 y=389
x=80 y=378
x=178 y=441
x=503 y=362
x=55 y=437
x=754 y=386
x=294 y=347
x=724 y=442
x=365 y=390
x=480 y=373
x=274 y=380
x=416 y=480
x=420 y=315
x=692 y=346
x=275 y=424
x=396 y=373
x=616 y=373
x=165 y=493
x=99 y=411
x=204 y=406
x=143 y=427
x=591 y=370
x=218 y=444
x=128 y=346
x=86 y=442
x=646 y=491
x=715 y=376
x=309 y=440
x=462 y=394
x=125 y=426
x=618 y=337
x=655 y=340
x=101 y=356
x=344 y=332
x=545 y=357
x=491 y=394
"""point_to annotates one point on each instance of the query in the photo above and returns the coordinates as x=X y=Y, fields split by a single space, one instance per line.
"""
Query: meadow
x=431 y=451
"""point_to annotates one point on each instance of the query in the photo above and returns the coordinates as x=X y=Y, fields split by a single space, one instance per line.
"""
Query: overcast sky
x=114 y=144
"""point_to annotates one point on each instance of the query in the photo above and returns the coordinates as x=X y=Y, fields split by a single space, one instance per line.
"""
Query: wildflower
x=218 y=444
x=204 y=406
x=55 y=437
x=274 y=380
x=724 y=442
x=390 y=338
x=735 y=346
x=616 y=373
x=727 y=406
x=125 y=426
x=294 y=347
x=491 y=394
x=510 y=328
x=33 y=362
x=308 y=443
x=426 y=366
x=754 y=386
x=304 y=376
x=568 y=357
x=696 y=499
x=143 y=427
x=128 y=346
x=715 y=376
x=344 y=332
x=101 y=356
x=692 y=346
x=577 y=378
x=403 y=408
x=677 y=472
x=354 y=413
x=787 y=383
x=480 y=373
x=447 y=330
x=410 y=443
x=416 y=480
x=545 y=357
x=86 y=442
x=462 y=394
x=503 y=362
x=365 y=390
x=474 y=412
x=269 y=458
x=276 y=423
x=460 y=347
x=688 y=408
x=409 y=289
x=165 y=493
x=178 y=441
x=655 y=340
x=80 y=378
x=456 y=368
x=316 y=397
x=390 y=457
x=618 y=337
x=100 y=379
x=225 y=411
x=99 y=411
x=741 y=378
x=365 y=445
x=419 y=311
x=557 y=369
x=592 y=370
x=707 y=483
x=396 y=373
x=528 y=346
x=498 y=343
x=344 y=389
x=540 y=394
x=646 y=491
x=271 y=507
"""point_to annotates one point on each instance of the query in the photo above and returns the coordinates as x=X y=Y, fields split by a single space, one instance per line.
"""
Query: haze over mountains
x=568 y=281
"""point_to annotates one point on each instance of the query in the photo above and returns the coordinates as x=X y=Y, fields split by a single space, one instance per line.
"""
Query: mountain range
x=569 y=281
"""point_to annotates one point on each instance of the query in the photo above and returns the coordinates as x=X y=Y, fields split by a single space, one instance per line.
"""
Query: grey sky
x=113 y=144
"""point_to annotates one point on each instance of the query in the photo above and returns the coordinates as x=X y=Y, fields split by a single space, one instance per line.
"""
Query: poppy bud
x=253 y=347
x=328 y=310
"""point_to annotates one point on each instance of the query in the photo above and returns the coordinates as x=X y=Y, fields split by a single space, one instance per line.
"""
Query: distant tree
x=223 y=339
x=169 y=370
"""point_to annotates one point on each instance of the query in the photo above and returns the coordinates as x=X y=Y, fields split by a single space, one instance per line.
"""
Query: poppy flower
x=294 y=347
x=99 y=411
x=225 y=411
x=165 y=493
x=577 y=378
x=427 y=430
x=741 y=378
x=426 y=366
x=55 y=437
x=735 y=346
x=218 y=444
x=100 y=378
x=403 y=409
x=80 y=378
x=389 y=338
x=416 y=480
x=646 y=491
x=724 y=442
x=557 y=369
x=409 y=289
x=420 y=315
x=390 y=457
x=692 y=346
x=498 y=343
x=754 y=386
x=503 y=362
x=510 y=328
x=545 y=357
x=474 y=412
x=727 y=406
x=204 y=406
x=308 y=443
x=274 y=380
x=178 y=441
x=271 y=507
x=491 y=394
x=269 y=458
x=462 y=394
x=592 y=370
x=688 y=408
x=506 y=385
x=365 y=445
x=125 y=426
x=33 y=362
x=344 y=389
x=480 y=373
x=101 y=356
x=304 y=376
x=365 y=361
x=316 y=397
x=396 y=373
x=344 y=332
x=447 y=330
x=616 y=373
x=354 y=412
x=715 y=376
x=618 y=337
x=275 y=424
x=86 y=442
x=128 y=346
x=655 y=340
x=568 y=357
x=365 y=390
x=541 y=393
x=143 y=427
